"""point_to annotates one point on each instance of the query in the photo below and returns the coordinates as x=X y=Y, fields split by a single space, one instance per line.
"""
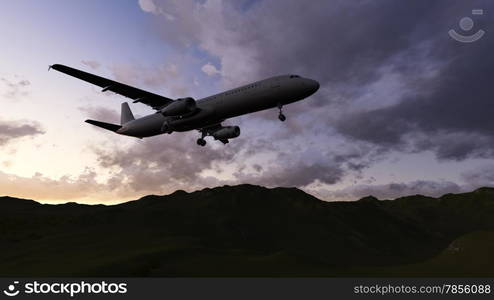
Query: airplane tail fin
x=107 y=126
x=126 y=115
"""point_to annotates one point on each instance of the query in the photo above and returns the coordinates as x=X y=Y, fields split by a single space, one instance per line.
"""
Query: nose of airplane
x=312 y=85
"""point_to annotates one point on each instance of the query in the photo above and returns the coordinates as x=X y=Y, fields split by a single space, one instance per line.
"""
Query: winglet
x=49 y=68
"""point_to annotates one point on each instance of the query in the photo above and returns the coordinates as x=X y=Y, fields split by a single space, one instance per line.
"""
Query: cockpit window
x=294 y=76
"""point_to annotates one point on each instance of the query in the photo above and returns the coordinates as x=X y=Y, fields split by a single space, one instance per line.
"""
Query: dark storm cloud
x=299 y=167
x=10 y=130
x=449 y=104
x=295 y=173
x=451 y=145
x=428 y=90
x=453 y=114
x=454 y=118
x=174 y=161
x=324 y=40
x=348 y=46
x=344 y=42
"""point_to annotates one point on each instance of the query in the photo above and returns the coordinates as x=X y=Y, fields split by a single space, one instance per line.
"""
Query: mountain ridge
x=182 y=192
x=242 y=230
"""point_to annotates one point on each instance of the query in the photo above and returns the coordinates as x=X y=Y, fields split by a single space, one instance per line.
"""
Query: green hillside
x=248 y=230
x=468 y=256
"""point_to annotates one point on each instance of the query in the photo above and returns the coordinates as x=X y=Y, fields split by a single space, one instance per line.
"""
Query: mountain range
x=249 y=230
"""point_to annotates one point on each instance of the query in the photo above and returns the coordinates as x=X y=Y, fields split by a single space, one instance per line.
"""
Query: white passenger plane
x=204 y=115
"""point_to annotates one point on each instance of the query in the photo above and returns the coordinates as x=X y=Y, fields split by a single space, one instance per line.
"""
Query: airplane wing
x=138 y=95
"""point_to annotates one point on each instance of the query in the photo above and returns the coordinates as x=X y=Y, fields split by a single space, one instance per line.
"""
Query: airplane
x=204 y=115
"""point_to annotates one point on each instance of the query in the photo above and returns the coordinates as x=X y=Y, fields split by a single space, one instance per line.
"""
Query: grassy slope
x=249 y=231
x=468 y=256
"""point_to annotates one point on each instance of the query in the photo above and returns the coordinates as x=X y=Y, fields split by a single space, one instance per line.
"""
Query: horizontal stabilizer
x=107 y=126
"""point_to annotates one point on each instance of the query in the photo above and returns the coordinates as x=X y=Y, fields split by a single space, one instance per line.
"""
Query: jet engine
x=225 y=133
x=179 y=107
x=166 y=127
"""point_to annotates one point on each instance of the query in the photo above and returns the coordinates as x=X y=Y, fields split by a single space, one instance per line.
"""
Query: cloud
x=210 y=69
x=440 y=77
x=264 y=39
x=82 y=188
x=148 y=6
x=296 y=174
x=393 y=190
x=207 y=25
x=167 y=79
x=101 y=113
x=13 y=130
x=91 y=63
x=449 y=114
x=15 y=87
x=168 y=162
x=481 y=177
x=393 y=81
x=162 y=164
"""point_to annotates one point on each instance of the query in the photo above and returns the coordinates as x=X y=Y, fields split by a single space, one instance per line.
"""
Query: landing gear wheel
x=201 y=142
x=281 y=116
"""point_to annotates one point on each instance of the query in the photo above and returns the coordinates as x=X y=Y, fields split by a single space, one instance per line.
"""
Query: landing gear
x=201 y=142
x=281 y=116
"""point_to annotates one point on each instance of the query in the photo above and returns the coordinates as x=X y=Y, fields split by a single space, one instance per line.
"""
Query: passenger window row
x=243 y=89
x=237 y=90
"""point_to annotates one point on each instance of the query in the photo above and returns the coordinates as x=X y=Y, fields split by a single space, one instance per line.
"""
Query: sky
x=403 y=108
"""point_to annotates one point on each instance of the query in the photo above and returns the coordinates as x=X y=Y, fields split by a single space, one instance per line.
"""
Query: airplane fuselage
x=265 y=94
x=204 y=115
